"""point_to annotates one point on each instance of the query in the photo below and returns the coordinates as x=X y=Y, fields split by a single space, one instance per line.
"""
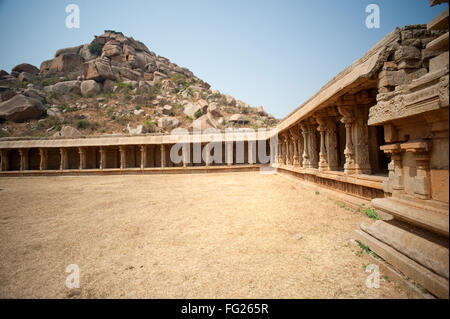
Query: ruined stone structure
x=378 y=131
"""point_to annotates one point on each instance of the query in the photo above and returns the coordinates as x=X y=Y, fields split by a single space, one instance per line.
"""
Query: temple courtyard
x=218 y=235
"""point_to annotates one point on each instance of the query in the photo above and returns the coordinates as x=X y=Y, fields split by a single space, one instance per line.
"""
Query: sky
x=274 y=53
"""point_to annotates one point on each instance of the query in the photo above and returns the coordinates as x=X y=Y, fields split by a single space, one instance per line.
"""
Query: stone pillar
x=347 y=118
x=313 y=147
x=82 y=153
x=280 y=151
x=323 y=157
x=163 y=156
x=332 y=144
x=229 y=153
x=43 y=152
x=422 y=180
x=5 y=160
x=185 y=153
x=123 y=157
x=361 y=133
x=287 y=156
x=102 y=151
x=394 y=184
x=23 y=158
x=63 y=158
x=143 y=149
x=305 y=133
x=251 y=154
x=207 y=149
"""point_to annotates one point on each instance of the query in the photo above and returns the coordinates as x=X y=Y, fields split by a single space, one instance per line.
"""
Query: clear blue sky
x=265 y=52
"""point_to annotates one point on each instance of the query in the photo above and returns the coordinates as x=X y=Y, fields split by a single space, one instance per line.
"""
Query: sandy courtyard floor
x=234 y=235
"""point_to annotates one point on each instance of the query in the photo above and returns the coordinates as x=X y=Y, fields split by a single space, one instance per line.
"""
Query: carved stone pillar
x=163 y=156
x=313 y=147
x=287 y=153
x=5 y=160
x=347 y=118
x=361 y=133
x=23 y=158
x=43 y=152
x=82 y=153
x=332 y=141
x=395 y=184
x=305 y=133
x=322 y=128
x=63 y=158
x=294 y=140
x=123 y=157
x=102 y=151
x=422 y=180
x=143 y=149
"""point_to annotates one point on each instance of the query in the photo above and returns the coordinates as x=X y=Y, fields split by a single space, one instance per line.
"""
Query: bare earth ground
x=234 y=235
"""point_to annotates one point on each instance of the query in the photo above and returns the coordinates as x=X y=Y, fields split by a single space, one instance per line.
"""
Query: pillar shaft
x=82 y=153
x=123 y=157
x=5 y=160
x=63 y=158
x=23 y=159
x=143 y=150
x=163 y=156
x=102 y=151
x=43 y=152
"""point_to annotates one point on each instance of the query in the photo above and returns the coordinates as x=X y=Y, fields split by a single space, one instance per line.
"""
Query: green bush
x=124 y=85
x=371 y=213
x=95 y=48
x=82 y=124
x=198 y=114
x=150 y=125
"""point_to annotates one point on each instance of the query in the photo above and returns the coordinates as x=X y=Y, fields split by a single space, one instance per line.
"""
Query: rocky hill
x=114 y=84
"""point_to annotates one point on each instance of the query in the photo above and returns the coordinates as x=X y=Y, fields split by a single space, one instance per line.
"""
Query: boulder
x=90 y=88
x=230 y=100
x=139 y=112
x=140 y=129
x=3 y=73
x=123 y=74
x=98 y=69
x=167 y=109
x=62 y=63
x=21 y=108
x=64 y=87
x=25 y=67
x=214 y=109
x=68 y=131
x=203 y=105
x=85 y=53
x=167 y=121
x=54 y=111
x=157 y=76
x=111 y=49
x=25 y=76
x=190 y=109
x=6 y=93
x=238 y=118
x=72 y=50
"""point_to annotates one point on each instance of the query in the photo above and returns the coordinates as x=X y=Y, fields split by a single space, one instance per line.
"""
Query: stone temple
x=378 y=132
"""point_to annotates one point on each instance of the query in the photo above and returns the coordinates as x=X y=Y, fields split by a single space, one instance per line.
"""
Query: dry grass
x=232 y=235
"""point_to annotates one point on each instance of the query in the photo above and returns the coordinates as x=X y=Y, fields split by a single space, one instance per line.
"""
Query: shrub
x=371 y=213
x=150 y=125
x=95 y=48
x=82 y=124
x=124 y=85
x=198 y=114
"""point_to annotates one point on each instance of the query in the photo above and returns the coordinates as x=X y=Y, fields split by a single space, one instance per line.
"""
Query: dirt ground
x=233 y=235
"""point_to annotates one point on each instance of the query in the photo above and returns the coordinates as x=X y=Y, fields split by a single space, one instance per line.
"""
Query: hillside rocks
x=68 y=131
x=90 y=88
x=64 y=87
x=21 y=108
x=114 y=80
x=25 y=67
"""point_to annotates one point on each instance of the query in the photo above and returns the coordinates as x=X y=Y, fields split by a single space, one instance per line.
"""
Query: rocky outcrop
x=21 y=108
x=68 y=131
x=90 y=88
x=64 y=87
x=25 y=67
